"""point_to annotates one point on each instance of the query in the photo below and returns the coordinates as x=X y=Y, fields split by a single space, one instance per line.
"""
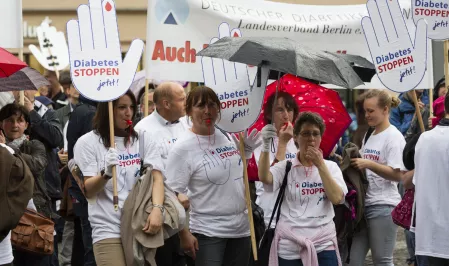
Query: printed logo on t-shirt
x=371 y=154
x=217 y=164
x=304 y=194
x=290 y=156
x=126 y=160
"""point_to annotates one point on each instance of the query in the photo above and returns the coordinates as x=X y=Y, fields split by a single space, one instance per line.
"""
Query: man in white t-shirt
x=165 y=126
x=432 y=192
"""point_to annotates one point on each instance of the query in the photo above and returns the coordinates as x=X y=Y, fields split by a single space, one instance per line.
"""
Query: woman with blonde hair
x=382 y=160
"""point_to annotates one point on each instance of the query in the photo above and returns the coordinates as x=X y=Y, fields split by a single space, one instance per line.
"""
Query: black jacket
x=47 y=130
x=80 y=122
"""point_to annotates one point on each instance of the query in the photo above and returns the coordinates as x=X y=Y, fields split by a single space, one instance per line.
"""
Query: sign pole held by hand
x=247 y=196
x=112 y=141
x=94 y=39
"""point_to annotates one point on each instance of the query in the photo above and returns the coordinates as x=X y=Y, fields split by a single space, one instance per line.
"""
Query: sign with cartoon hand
x=96 y=66
x=436 y=13
x=241 y=99
x=54 y=53
x=400 y=63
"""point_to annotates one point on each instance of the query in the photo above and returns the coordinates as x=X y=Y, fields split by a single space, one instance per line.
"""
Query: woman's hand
x=360 y=163
x=154 y=222
x=286 y=133
x=268 y=133
x=189 y=243
x=315 y=156
x=251 y=141
x=111 y=161
x=184 y=200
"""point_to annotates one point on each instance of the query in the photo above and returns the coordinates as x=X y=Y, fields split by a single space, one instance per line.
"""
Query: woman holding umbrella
x=305 y=234
x=96 y=159
x=205 y=164
x=278 y=116
x=382 y=160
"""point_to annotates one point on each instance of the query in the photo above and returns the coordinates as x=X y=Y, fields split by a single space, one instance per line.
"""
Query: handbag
x=34 y=234
x=268 y=236
x=402 y=213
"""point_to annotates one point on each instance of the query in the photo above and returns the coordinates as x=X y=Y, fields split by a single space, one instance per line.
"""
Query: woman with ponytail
x=382 y=160
x=96 y=158
x=206 y=165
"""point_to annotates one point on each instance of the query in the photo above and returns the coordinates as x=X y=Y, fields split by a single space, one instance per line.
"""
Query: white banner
x=177 y=30
x=11 y=21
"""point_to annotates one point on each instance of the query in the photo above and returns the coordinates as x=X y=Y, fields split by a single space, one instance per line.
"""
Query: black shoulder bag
x=268 y=236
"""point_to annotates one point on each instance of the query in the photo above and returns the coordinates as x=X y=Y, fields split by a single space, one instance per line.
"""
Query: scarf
x=15 y=144
x=444 y=122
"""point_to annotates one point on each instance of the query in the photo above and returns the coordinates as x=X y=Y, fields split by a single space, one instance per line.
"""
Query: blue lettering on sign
x=440 y=24
x=239 y=114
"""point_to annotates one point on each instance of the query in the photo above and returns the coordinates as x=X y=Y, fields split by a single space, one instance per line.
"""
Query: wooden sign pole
x=112 y=140
x=145 y=111
x=418 y=112
x=247 y=197
x=21 y=93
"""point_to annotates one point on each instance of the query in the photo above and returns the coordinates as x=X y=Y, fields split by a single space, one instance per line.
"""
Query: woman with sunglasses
x=305 y=234
x=206 y=165
x=96 y=158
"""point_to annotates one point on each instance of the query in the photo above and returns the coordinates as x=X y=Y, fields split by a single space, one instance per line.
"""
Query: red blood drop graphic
x=108 y=6
x=213 y=152
x=297 y=185
x=236 y=34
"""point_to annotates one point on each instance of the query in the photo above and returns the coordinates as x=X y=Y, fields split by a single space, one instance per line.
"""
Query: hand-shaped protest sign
x=241 y=100
x=436 y=13
x=400 y=64
x=96 y=66
x=54 y=53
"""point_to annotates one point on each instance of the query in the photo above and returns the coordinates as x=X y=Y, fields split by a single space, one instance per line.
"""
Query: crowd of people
x=65 y=140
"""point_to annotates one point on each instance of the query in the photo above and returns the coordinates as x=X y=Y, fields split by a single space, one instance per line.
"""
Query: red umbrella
x=9 y=64
x=314 y=98
x=15 y=75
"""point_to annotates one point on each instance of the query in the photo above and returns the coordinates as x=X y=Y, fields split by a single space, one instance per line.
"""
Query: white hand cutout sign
x=54 y=53
x=400 y=64
x=436 y=13
x=96 y=66
x=241 y=100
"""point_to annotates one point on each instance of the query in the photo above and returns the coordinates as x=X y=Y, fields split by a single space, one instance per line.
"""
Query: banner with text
x=98 y=71
x=436 y=13
x=400 y=63
x=177 y=30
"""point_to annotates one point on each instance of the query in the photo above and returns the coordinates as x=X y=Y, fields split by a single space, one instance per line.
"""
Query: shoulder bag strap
x=280 y=198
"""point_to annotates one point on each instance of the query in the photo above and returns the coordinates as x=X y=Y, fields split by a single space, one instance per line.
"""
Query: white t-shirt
x=209 y=170
x=267 y=199
x=384 y=148
x=89 y=154
x=162 y=132
x=305 y=208
x=431 y=181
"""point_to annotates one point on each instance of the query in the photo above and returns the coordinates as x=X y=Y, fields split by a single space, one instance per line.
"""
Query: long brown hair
x=101 y=121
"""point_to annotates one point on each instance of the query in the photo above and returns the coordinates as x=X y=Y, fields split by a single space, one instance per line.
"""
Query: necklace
x=209 y=144
x=308 y=170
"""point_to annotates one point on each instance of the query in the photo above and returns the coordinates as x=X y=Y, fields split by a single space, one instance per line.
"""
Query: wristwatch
x=162 y=208
x=105 y=176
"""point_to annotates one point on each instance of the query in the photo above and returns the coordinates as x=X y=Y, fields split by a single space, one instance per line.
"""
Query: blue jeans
x=411 y=245
x=325 y=258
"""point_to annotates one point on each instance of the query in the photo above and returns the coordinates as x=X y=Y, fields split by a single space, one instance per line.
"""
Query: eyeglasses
x=308 y=134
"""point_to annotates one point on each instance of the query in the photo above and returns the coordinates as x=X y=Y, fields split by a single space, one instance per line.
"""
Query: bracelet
x=162 y=208
x=105 y=176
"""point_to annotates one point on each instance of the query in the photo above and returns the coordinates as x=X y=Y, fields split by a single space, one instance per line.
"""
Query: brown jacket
x=16 y=189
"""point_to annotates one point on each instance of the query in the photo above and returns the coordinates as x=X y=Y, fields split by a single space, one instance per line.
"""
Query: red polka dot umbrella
x=313 y=98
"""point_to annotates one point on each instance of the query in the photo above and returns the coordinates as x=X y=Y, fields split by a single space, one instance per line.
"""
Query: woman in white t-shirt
x=96 y=158
x=305 y=234
x=281 y=146
x=382 y=160
x=206 y=165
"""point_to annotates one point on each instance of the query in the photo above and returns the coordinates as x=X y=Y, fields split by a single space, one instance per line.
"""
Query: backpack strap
x=368 y=134
x=280 y=198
